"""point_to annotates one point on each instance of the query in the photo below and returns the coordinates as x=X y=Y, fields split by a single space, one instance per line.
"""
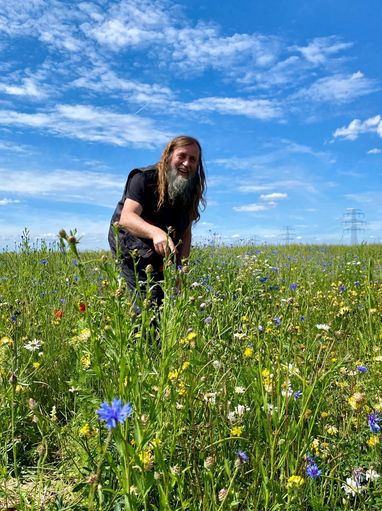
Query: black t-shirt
x=141 y=186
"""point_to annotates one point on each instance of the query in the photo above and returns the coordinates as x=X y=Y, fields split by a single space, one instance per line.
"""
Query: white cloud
x=86 y=187
x=374 y=151
x=321 y=48
x=91 y=124
x=357 y=127
x=254 y=208
x=256 y=108
x=338 y=88
x=273 y=196
x=7 y=202
x=28 y=87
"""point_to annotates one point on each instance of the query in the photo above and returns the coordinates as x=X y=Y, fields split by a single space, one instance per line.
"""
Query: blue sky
x=284 y=96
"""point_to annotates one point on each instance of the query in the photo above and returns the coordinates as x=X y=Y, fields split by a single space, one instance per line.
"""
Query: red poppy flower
x=82 y=307
x=58 y=313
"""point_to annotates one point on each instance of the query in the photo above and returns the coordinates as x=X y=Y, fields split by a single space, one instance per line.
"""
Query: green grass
x=215 y=372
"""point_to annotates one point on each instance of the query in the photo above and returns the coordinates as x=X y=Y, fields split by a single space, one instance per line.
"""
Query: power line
x=353 y=219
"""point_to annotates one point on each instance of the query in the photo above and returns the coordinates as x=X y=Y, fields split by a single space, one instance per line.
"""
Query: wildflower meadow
x=255 y=386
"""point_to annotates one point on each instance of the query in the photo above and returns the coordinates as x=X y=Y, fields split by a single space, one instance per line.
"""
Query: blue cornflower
x=44 y=261
x=373 y=420
x=312 y=470
x=263 y=279
x=302 y=318
x=293 y=286
x=75 y=262
x=362 y=369
x=297 y=394
x=115 y=412
x=357 y=283
x=342 y=288
x=277 y=321
x=242 y=456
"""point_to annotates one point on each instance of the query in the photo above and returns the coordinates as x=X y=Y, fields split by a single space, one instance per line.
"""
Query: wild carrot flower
x=114 y=412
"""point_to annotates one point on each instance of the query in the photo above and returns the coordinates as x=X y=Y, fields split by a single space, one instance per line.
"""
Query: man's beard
x=180 y=189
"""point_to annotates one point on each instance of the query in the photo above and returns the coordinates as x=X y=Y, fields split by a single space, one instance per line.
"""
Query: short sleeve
x=136 y=187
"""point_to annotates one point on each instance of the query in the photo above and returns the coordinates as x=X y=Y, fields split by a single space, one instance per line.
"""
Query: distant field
x=256 y=387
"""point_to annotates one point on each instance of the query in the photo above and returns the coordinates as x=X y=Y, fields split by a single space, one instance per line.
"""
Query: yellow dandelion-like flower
x=324 y=415
x=236 y=431
x=36 y=365
x=248 y=352
x=295 y=482
x=373 y=441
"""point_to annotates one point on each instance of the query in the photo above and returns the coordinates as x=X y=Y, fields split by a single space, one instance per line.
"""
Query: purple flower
x=277 y=321
x=44 y=261
x=362 y=369
x=373 y=420
x=297 y=394
x=312 y=470
x=114 y=413
x=293 y=286
x=342 y=288
x=208 y=320
x=242 y=456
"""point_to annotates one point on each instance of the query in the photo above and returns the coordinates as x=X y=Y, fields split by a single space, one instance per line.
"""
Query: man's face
x=186 y=160
x=181 y=173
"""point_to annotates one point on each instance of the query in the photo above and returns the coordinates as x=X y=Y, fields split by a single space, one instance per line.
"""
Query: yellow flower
x=331 y=430
x=185 y=365
x=6 y=341
x=295 y=481
x=236 y=431
x=373 y=440
x=147 y=459
x=36 y=365
x=84 y=335
x=87 y=431
x=173 y=375
x=324 y=415
x=85 y=361
x=356 y=400
x=248 y=352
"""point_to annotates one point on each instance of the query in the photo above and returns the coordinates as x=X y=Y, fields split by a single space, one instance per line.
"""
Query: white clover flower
x=216 y=364
x=239 y=390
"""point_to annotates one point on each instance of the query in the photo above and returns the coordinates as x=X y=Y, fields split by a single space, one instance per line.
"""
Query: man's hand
x=163 y=244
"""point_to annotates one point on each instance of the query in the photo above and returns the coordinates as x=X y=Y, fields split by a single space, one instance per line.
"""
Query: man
x=156 y=212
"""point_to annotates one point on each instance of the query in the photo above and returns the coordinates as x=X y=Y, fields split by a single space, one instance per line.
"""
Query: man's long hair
x=200 y=176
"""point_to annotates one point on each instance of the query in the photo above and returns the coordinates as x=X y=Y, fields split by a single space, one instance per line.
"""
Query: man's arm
x=185 y=247
x=132 y=221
